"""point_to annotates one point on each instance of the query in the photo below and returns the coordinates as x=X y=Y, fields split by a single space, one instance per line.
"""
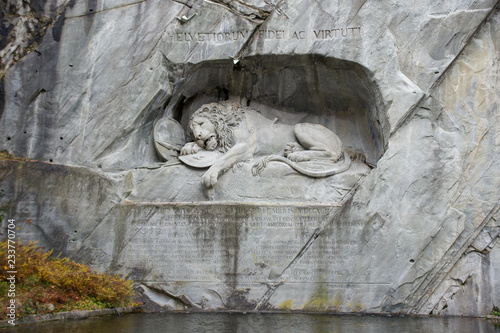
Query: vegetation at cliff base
x=44 y=284
x=5 y=156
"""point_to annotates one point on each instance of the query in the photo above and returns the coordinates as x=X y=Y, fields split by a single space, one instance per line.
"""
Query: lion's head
x=223 y=118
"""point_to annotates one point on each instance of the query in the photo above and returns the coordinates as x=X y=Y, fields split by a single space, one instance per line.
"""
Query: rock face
x=93 y=92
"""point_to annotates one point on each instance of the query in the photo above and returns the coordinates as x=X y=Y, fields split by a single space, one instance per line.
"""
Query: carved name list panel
x=226 y=246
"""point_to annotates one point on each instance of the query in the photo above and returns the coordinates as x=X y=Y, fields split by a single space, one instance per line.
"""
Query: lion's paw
x=292 y=147
x=190 y=148
x=209 y=179
x=298 y=156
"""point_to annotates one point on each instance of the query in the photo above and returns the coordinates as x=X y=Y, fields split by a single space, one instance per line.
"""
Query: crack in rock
x=245 y=9
x=279 y=277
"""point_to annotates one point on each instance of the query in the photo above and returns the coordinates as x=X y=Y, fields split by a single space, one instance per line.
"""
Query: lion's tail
x=339 y=167
x=261 y=165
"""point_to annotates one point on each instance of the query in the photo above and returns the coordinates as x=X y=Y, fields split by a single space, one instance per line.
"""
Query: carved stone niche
x=259 y=138
x=309 y=101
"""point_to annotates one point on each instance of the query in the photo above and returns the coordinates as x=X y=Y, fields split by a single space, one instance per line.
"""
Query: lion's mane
x=224 y=116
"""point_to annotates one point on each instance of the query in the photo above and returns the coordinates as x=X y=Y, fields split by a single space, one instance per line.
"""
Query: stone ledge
x=75 y=314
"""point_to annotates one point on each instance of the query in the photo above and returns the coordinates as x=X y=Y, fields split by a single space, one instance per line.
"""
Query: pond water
x=275 y=323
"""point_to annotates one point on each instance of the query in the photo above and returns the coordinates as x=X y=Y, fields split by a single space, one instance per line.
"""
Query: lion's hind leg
x=319 y=142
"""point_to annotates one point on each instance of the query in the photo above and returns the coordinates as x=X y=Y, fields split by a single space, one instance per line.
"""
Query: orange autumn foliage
x=65 y=284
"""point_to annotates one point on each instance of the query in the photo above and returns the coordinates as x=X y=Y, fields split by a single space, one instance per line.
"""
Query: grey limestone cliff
x=410 y=88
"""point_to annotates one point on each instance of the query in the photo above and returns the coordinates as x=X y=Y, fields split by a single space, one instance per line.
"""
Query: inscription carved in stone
x=265 y=34
x=207 y=240
x=192 y=249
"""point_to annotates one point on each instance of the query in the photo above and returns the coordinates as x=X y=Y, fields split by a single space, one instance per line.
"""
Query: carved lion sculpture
x=242 y=133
